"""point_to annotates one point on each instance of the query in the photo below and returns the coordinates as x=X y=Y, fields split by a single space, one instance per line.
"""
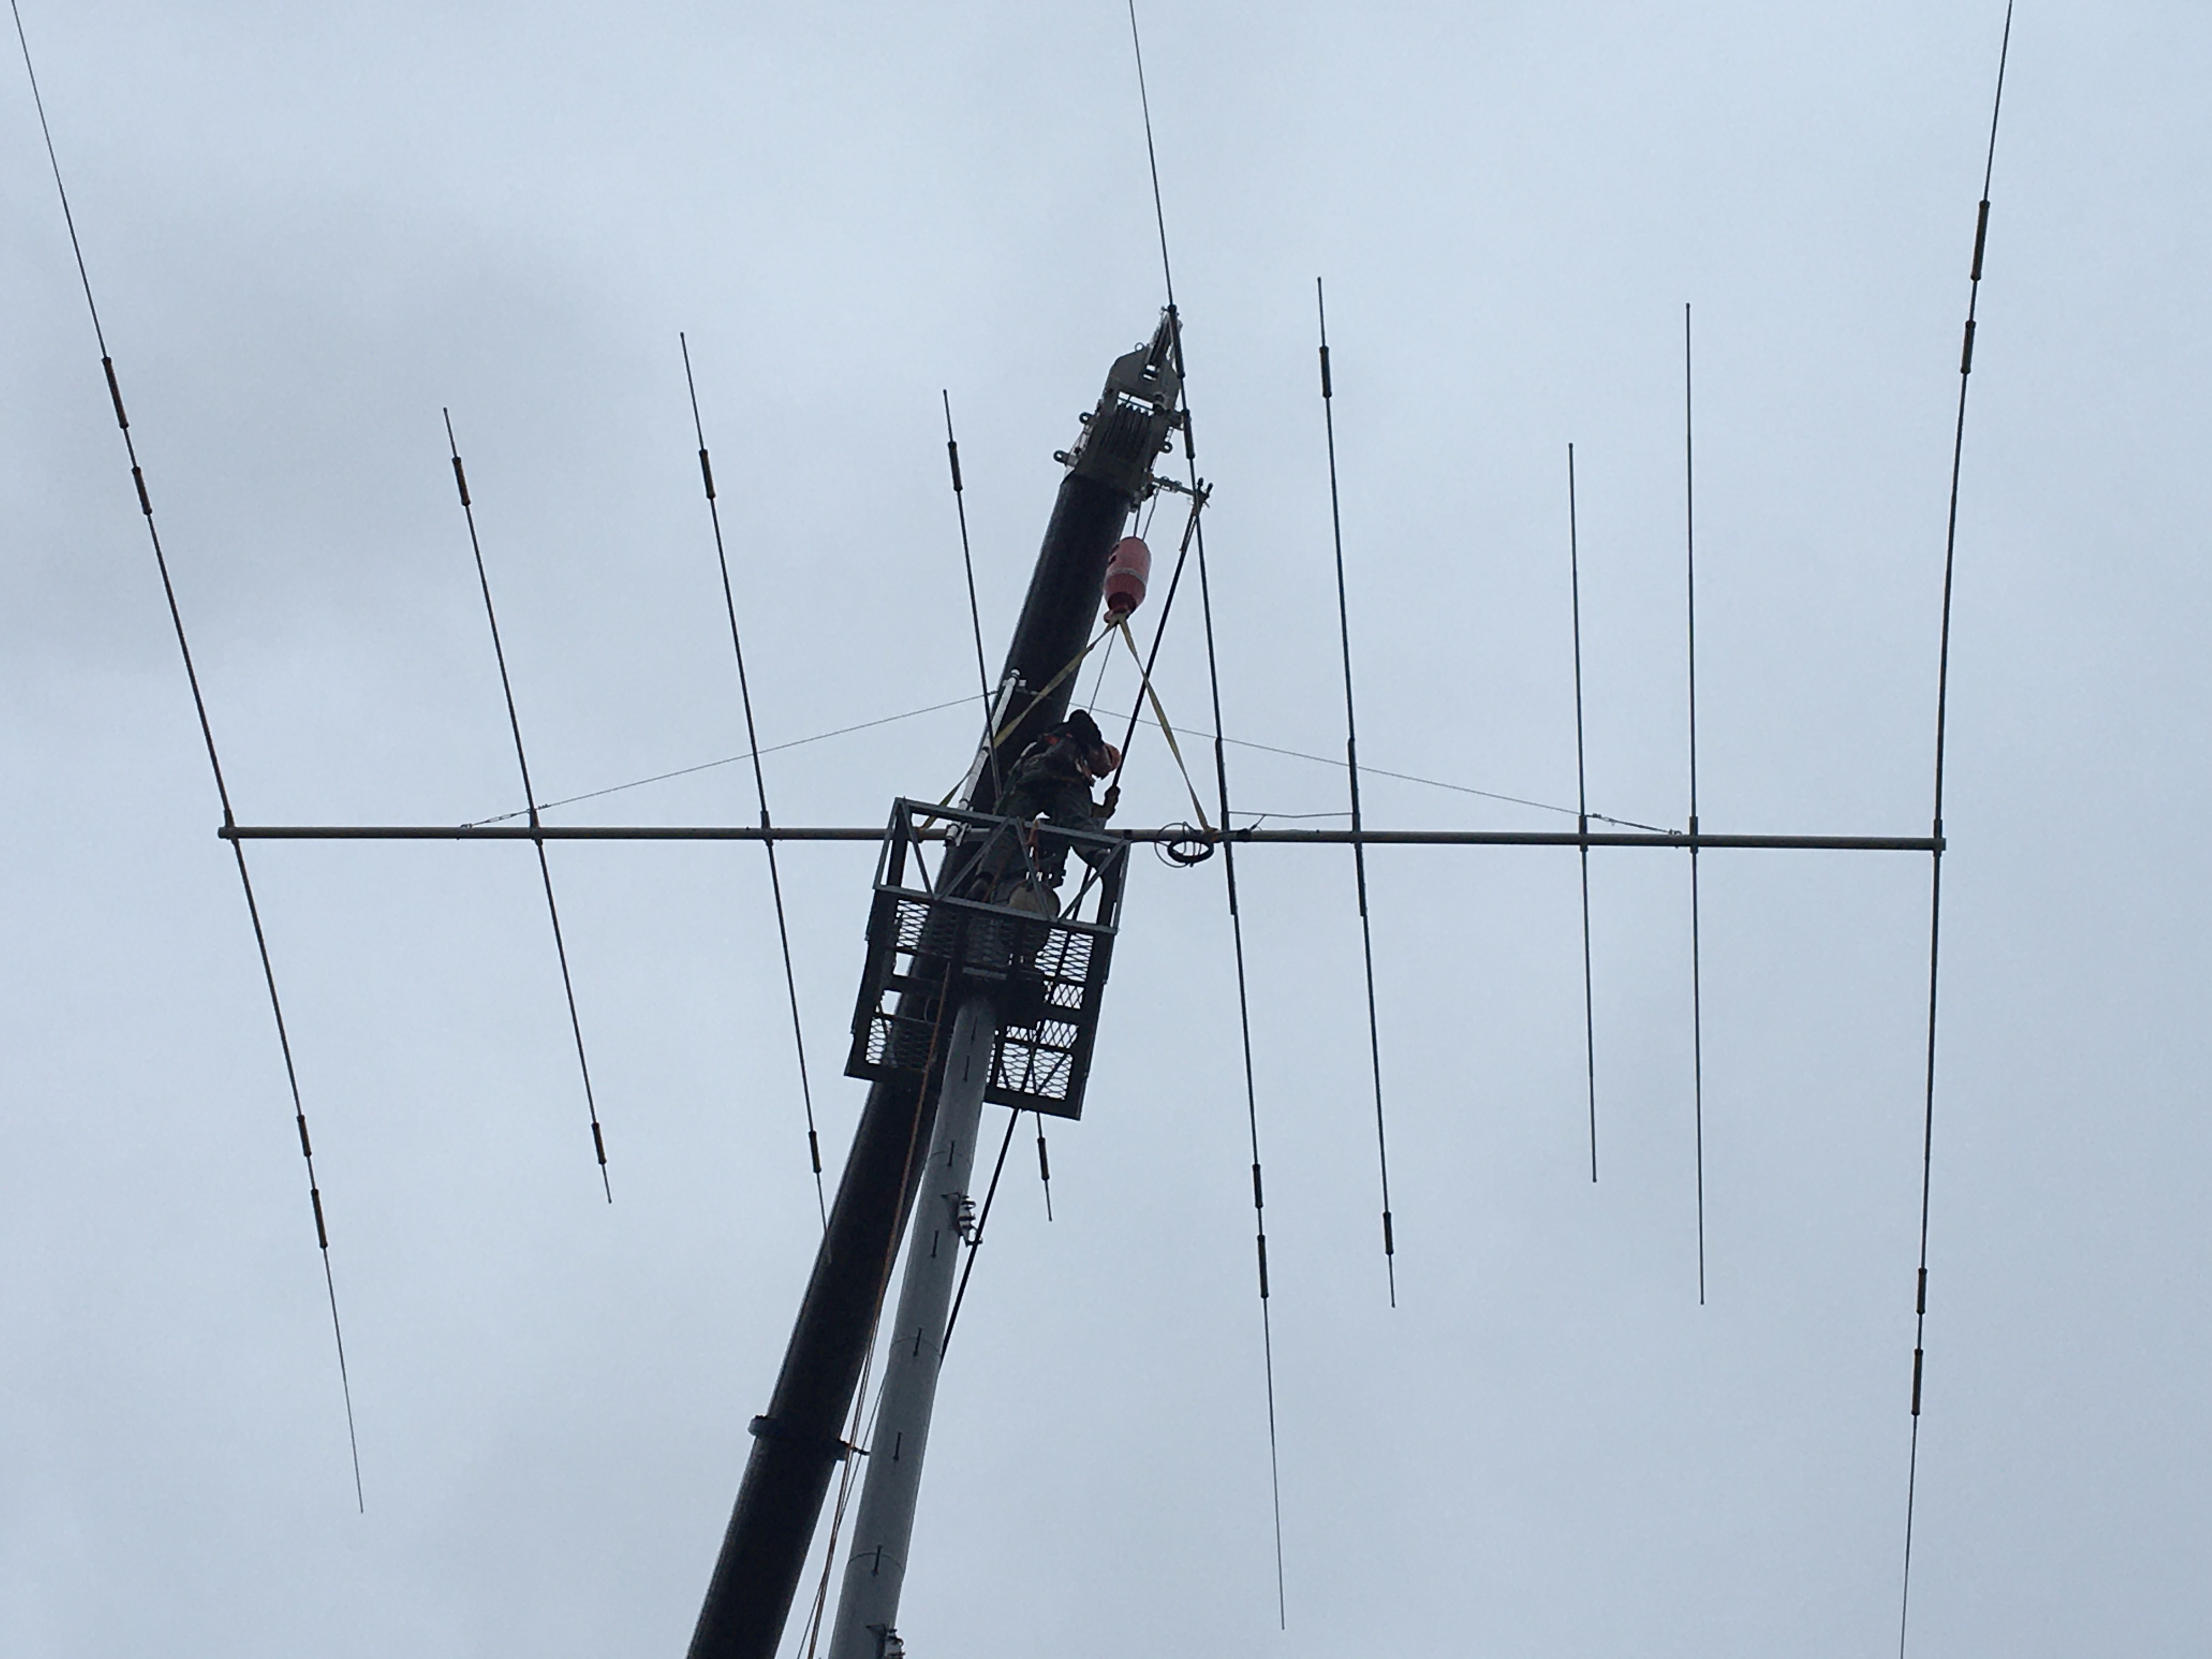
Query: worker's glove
x=1113 y=799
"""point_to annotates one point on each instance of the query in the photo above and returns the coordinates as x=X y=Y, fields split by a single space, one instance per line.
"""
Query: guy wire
x=732 y=760
x=529 y=796
x=1697 y=964
x=1582 y=809
x=1351 y=770
x=1936 y=865
x=215 y=763
x=760 y=783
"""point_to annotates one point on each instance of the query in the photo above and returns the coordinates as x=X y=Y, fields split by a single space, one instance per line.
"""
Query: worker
x=1051 y=779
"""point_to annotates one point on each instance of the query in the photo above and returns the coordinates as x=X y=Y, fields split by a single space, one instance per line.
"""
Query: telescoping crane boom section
x=800 y=1439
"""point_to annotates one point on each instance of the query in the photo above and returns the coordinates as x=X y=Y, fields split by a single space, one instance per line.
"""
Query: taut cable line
x=1581 y=808
x=1351 y=770
x=760 y=783
x=1697 y=955
x=1935 y=860
x=215 y=761
x=529 y=797
x=768 y=749
x=1367 y=767
x=975 y=1239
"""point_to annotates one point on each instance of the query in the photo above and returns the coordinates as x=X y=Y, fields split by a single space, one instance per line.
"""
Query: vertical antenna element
x=1352 y=767
x=215 y=761
x=530 y=798
x=975 y=610
x=1697 y=966
x=760 y=783
x=1152 y=159
x=1935 y=859
x=1582 y=809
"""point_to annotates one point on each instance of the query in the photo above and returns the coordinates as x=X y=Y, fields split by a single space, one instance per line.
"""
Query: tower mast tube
x=867 y=1608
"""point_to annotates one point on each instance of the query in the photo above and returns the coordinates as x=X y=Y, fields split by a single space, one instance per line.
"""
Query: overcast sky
x=312 y=228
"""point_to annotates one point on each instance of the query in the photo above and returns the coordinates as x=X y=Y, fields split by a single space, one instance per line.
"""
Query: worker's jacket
x=1048 y=780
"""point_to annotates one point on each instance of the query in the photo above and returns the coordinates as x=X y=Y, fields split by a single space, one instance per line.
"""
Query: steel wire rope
x=215 y=761
x=726 y=759
x=1375 y=771
x=975 y=1239
x=760 y=784
x=1367 y=767
x=1352 y=767
x=522 y=763
x=1936 y=858
x=1197 y=536
x=1582 y=809
x=1697 y=961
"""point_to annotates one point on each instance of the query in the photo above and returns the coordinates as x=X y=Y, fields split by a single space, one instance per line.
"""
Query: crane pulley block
x=988 y=919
